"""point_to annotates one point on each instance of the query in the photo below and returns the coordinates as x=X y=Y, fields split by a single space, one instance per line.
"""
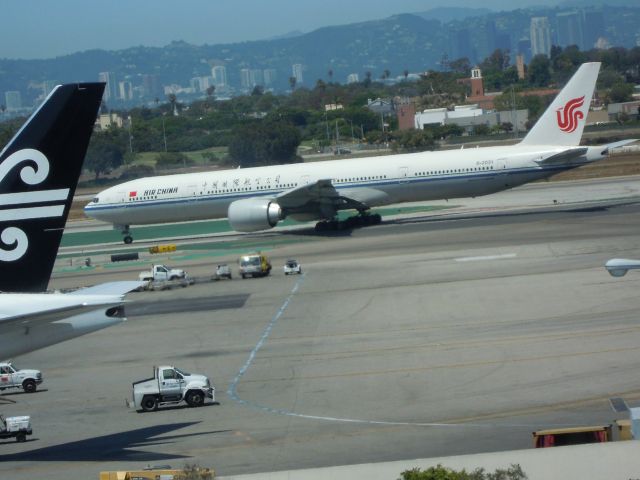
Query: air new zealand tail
x=39 y=170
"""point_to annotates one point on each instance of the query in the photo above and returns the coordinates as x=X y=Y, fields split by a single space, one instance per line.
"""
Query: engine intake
x=253 y=214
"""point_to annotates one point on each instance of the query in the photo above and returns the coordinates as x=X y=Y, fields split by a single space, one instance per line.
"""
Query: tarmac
x=430 y=335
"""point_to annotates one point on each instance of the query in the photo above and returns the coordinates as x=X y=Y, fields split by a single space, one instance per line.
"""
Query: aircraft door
x=403 y=173
x=502 y=169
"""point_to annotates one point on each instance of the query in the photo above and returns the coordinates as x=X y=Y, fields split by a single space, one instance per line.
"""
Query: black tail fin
x=39 y=171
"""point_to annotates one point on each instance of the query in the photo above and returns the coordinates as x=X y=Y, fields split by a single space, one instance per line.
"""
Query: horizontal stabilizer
x=621 y=143
x=563 y=157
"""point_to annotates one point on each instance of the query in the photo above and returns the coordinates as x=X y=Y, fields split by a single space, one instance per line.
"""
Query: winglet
x=39 y=171
x=563 y=121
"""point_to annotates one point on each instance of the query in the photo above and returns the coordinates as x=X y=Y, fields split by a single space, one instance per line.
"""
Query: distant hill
x=413 y=42
x=447 y=14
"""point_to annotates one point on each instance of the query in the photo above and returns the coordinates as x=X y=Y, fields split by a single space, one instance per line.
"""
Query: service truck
x=12 y=377
x=171 y=386
x=254 y=265
x=15 y=427
x=161 y=273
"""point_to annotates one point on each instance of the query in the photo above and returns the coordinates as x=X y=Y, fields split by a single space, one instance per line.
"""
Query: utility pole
x=514 y=114
x=164 y=134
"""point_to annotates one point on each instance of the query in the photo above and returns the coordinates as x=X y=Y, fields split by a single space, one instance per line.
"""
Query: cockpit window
x=95 y=200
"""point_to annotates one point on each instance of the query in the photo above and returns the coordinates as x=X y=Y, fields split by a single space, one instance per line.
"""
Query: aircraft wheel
x=321 y=226
x=376 y=218
x=128 y=239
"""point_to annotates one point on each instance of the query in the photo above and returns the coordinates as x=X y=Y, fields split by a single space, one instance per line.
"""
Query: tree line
x=263 y=128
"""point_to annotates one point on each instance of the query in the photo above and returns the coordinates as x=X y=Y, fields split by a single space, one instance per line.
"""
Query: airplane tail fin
x=39 y=171
x=563 y=121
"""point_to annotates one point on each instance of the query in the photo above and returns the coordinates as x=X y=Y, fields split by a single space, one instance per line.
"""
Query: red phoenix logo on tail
x=569 y=115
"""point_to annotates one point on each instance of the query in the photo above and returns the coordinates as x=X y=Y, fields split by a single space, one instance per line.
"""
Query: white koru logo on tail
x=14 y=242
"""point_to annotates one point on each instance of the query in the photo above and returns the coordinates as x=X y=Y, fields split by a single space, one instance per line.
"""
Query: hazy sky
x=48 y=28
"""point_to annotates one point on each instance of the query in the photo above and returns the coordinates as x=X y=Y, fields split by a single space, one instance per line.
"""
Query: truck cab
x=172 y=386
x=161 y=273
x=12 y=377
x=254 y=265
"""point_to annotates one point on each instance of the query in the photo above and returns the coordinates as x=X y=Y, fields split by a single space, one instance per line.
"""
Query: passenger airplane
x=39 y=170
x=258 y=198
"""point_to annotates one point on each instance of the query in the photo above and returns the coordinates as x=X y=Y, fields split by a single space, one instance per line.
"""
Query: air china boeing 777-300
x=258 y=198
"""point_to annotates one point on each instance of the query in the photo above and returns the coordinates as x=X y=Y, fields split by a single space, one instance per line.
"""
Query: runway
x=425 y=336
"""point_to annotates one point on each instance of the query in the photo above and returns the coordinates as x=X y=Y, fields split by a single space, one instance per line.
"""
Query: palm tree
x=330 y=73
x=292 y=83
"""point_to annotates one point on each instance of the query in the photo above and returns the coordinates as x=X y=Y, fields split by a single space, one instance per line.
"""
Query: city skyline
x=159 y=22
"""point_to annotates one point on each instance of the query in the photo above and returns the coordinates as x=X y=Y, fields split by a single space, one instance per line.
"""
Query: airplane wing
x=110 y=288
x=322 y=197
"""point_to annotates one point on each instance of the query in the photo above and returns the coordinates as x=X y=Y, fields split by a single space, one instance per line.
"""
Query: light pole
x=164 y=134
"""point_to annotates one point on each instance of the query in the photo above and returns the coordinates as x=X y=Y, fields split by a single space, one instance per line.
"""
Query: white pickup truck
x=11 y=377
x=18 y=427
x=171 y=386
x=161 y=273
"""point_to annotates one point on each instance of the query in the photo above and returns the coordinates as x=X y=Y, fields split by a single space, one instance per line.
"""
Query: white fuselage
x=374 y=181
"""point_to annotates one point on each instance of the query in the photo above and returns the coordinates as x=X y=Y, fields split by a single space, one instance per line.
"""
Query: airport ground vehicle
x=15 y=427
x=222 y=271
x=160 y=273
x=254 y=265
x=162 y=472
x=292 y=266
x=558 y=437
x=11 y=377
x=171 y=386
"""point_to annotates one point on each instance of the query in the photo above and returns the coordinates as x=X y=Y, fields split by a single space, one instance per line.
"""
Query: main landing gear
x=126 y=232
x=357 y=221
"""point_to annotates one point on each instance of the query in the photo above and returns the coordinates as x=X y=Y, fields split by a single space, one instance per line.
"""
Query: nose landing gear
x=124 y=229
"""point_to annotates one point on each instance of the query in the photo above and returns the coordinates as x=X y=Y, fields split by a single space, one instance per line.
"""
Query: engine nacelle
x=253 y=214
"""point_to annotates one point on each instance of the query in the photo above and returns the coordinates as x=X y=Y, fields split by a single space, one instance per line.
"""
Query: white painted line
x=486 y=257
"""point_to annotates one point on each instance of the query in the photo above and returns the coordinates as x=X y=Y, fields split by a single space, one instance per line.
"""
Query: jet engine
x=253 y=214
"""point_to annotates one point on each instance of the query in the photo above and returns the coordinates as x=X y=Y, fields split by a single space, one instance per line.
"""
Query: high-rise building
x=570 y=29
x=270 y=76
x=256 y=77
x=245 y=78
x=297 y=73
x=125 y=90
x=461 y=45
x=353 y=78
x=593 y=27
x=13 y=100
x=110 y=90
x=151 y=86
x=219 y=74
x=540 y=36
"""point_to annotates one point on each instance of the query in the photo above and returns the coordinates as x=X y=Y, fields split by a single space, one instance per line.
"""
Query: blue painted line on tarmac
x=232 y=391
